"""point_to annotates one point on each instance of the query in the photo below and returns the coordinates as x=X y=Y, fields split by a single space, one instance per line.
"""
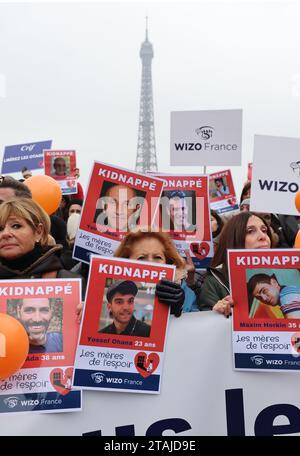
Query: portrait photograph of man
x=42 y=320
x=118 y=208
x=178 y=210
x=274 y=293
x=218 y=187
x=127 y=309
x=60 y=167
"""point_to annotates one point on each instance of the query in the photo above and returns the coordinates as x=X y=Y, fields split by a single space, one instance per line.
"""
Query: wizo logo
x=98 y=377
x=295 y=167
x=11 y=401
x=257 y=360
x=205 y=132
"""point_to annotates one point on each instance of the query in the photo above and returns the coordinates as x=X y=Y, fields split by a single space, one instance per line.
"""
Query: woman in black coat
x=24 y=249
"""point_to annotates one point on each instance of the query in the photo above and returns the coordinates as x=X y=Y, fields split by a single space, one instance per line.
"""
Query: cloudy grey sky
x=71 y=72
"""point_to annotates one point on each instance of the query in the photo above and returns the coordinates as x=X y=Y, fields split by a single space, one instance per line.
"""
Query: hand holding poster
x=184 y=213
x=60 y=165
x=117 y=201
x=122 y=338
x=221 y=192
x=265 y=286
x=47 y=310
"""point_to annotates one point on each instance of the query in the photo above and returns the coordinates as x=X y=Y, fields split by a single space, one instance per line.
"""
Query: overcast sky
x=71 y=72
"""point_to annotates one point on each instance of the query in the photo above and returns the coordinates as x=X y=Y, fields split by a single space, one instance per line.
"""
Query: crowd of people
x=35 y=245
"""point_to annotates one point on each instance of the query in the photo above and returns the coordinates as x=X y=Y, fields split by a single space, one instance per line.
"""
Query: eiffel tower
x=146 y=151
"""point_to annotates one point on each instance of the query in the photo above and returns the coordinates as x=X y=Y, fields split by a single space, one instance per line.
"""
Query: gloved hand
x=172 y=294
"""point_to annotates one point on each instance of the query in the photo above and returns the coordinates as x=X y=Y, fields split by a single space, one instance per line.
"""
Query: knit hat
x=245 y=202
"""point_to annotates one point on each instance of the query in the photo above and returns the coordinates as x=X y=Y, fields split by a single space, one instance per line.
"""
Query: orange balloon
x=297 y=200
x=297 y=241
x=45 y=191
x=14 y=345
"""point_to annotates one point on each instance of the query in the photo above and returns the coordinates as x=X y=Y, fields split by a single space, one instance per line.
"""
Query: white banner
x=275 y=174
x=206 y=137
x=200 y=394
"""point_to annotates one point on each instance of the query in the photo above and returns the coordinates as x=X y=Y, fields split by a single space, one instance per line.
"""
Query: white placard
x=206 y=137
x=275 y=175
x=200 y=395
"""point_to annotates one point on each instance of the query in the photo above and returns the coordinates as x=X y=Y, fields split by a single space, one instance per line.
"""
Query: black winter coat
x=46 y=263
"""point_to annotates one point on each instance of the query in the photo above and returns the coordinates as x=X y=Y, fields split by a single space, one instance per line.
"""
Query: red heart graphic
x=231 y=201
x=61 y=380
x=146 y=364
x=295 y=340
x=200 y=250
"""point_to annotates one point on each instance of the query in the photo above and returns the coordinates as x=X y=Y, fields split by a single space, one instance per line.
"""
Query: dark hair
x=245 y=190
x=219 y=179
x=75 y=201
x=21 y=190
x=69 y=203
x=233 y=237
x=176 y=194
x=57 y=159
x=219 y=222
x=259 y=278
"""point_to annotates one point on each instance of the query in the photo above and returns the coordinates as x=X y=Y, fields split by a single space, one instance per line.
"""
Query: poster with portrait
x=185 y=214
x=117 y=201
x=61 y=165
x=123 y=329
x=221 y=192
x=47 y=310
x=265 y=287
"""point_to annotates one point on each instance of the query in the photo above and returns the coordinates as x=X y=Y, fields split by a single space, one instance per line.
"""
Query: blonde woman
x=25 y=247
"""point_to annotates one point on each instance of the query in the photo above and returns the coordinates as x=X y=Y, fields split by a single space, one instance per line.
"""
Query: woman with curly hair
x=157 y=247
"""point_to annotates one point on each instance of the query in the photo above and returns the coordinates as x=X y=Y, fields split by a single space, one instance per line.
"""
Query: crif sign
x=2 y=346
